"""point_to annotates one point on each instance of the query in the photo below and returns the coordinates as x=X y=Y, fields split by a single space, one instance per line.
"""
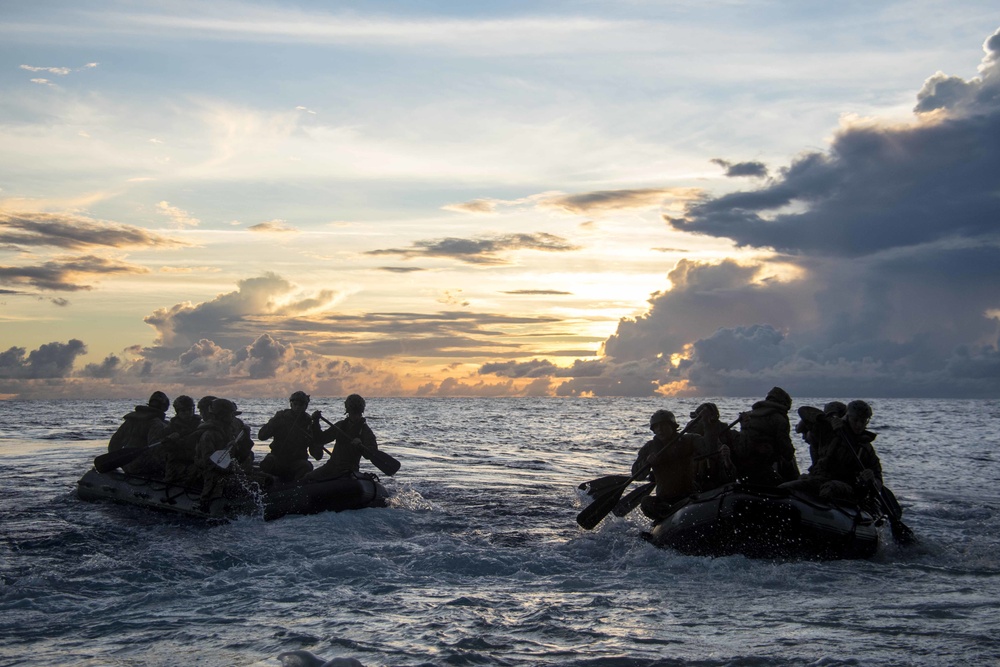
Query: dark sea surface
x=479 y=560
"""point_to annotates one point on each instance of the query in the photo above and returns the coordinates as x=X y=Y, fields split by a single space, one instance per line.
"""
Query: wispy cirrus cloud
x=180 y=218
x=58 y=71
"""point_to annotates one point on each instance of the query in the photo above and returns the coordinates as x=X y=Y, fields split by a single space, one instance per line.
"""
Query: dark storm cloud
x=482 y=250
x=75 y=232
x=734 y=169
x=887 y=278
x=65 y=274
x=51 y=360
x=106 y=369
x=880 y=187
x=524 y=369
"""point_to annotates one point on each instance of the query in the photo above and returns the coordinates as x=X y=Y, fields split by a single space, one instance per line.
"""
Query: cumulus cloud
x=485 y=251
x=263 y=357
x=51 y=360
x=184 y=324
x=885 y=271
x=108 y=368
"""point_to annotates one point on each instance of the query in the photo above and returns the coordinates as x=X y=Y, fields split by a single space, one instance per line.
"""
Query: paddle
x=606 y=501
x=596 y=486
x=633 y=499
x=885 y=498
x=124 y=456
x=224 y=457
x=384 y=462
x=635 y=496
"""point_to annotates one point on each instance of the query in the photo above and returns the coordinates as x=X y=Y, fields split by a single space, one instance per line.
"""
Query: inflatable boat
x=350 y=491
x=764 y=522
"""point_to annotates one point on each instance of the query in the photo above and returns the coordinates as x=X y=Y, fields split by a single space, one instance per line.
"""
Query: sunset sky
x=500 y=199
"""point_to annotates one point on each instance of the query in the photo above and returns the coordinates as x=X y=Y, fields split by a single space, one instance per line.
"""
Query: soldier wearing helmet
x=354 y=440
x=144 y=426
x=222 y=431
x=764 y=453
x=295 y=439
x=670 y=460
x=716 y=467
x=848 y=468
x=180 y=441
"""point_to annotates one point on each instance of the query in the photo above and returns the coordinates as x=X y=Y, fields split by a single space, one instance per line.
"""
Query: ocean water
x=479 y=561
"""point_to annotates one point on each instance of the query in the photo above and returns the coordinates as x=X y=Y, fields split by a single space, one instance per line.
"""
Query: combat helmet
x=709 y=410
x=662 y=416
x=205 y=403
x=223 y=406
x=183 y=402
x=354 y=404
x=779 y=396
x=859 y=408
x=835 y=409
x=299 y=396
x=159 y=401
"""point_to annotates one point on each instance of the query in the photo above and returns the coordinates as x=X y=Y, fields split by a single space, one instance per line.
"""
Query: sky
x=500 y=199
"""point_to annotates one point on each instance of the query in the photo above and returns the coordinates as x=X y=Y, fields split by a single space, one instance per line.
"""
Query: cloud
x=733 y=169
x=65 y=274
x=519 y=369
x=478 y=206
x=58 y=71
x=181 y=218
x=263 y=357
x=879 y=187
x=51 y=360
x=273 y=227
x=885 y=272
x=184 y=324
x=483 y=250
x=106 y=369
x=537 y=292
x=75 y=232
x=400 y=269
x=456 y=387
x=613 y=200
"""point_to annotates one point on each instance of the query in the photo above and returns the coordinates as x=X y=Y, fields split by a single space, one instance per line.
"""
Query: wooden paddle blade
x=595 y=512
x=384 y=462
x=116 y=459
x=633 y=499
x=222 y=458
x=597 y=486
